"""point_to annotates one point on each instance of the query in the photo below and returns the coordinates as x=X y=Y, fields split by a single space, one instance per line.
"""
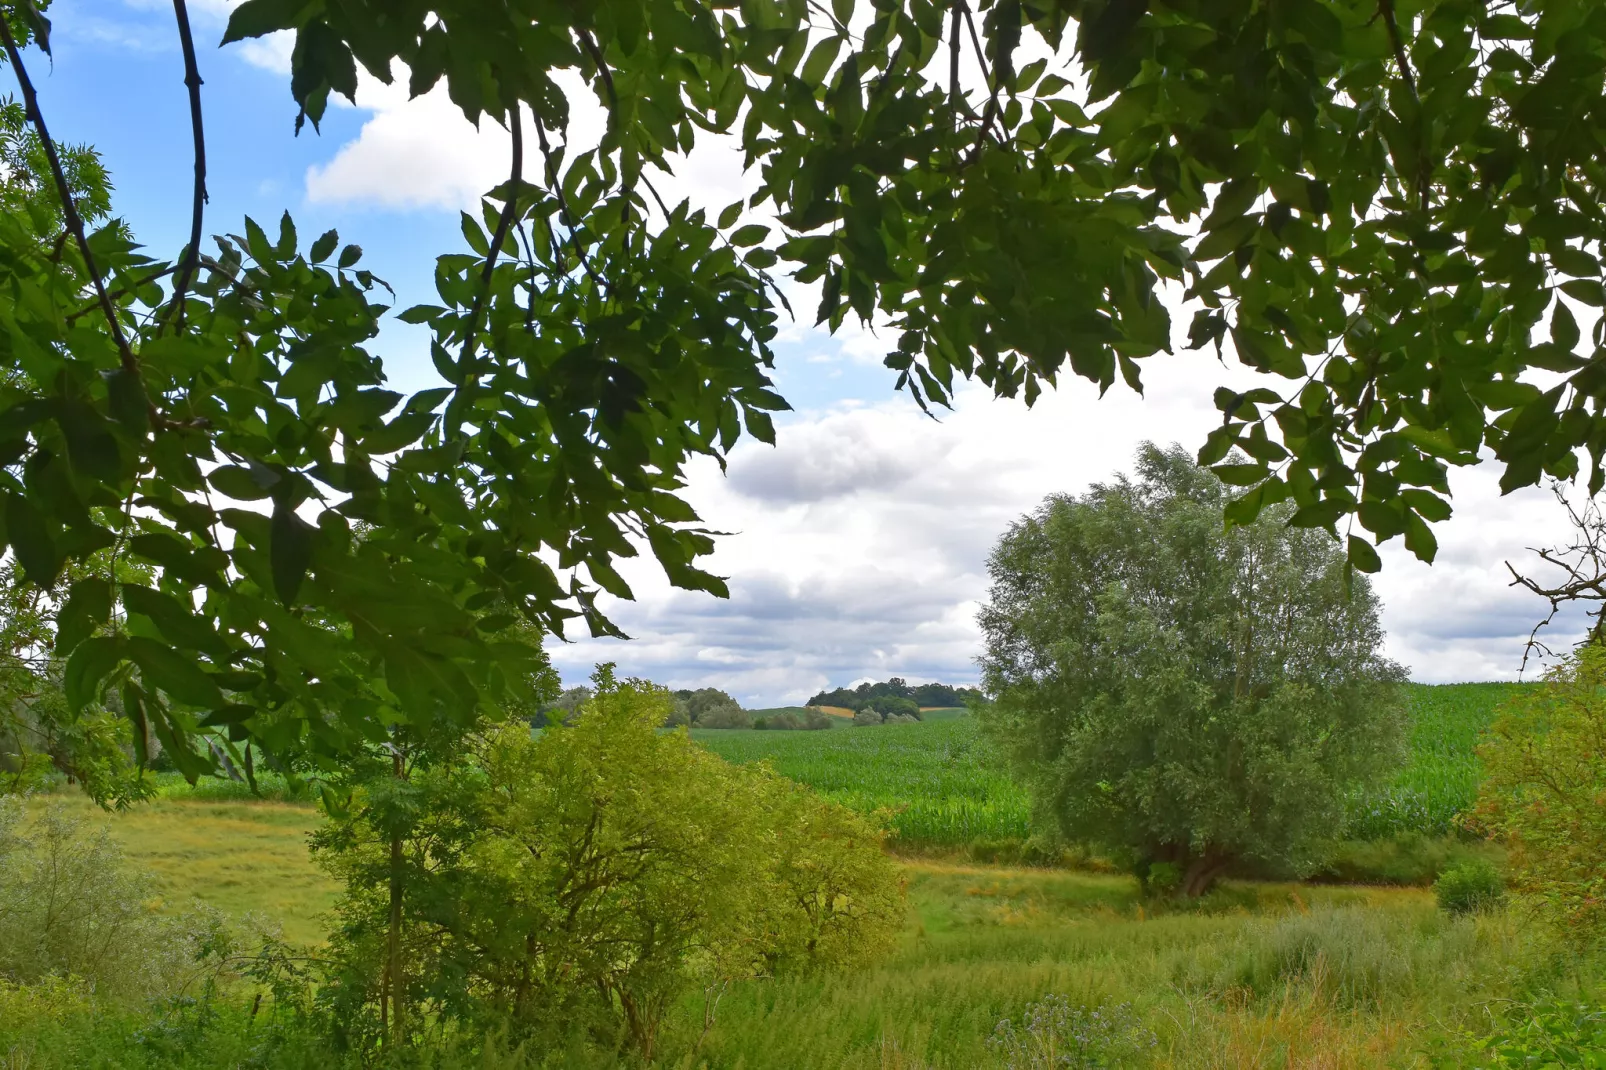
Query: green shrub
x=1546 y=779
x=583 y=880
x=1408 y=858
x=1469 y=887
x=69 y=907
x=1054 y=1035
x=1557 y=1034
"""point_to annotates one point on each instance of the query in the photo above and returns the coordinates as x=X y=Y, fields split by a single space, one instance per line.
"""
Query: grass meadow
x=1258 y=974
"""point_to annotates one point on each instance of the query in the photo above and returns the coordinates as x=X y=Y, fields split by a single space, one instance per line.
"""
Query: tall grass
x=937 y=780
x=1257 y=976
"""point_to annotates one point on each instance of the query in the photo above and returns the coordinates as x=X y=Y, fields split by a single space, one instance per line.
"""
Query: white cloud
x=859 y=544
x=419 y=153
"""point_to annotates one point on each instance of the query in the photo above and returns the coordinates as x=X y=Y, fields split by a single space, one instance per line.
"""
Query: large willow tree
x=1182 y=695
x=1373 y=202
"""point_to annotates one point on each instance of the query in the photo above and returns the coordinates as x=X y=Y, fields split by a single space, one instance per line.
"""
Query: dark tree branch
x=1385 y=8
x=953 y=58
x=563 y=204
x=192 y=253
x=69 y=209
x=503 y=223
x=1583 y=579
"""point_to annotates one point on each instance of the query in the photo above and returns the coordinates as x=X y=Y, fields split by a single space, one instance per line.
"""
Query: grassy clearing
x=239 y=856
x=1259 y=976
x=935 y=778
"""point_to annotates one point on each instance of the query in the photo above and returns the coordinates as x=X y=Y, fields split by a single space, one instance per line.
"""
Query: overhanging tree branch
x=69 y=209
x=514 y=181
x=192 y=253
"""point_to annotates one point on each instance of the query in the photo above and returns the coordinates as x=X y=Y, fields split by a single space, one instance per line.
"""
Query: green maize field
x=935 y=779
x=1440 y=778
x=942 y=789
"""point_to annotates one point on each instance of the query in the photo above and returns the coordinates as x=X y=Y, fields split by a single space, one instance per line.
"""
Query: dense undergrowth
x=1256 y=975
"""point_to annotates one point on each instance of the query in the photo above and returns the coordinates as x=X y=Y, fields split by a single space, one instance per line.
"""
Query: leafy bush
x=889 y=706
x=1545 y=766
x=865 y=718
x=812 y=719
x=855 y=698
x=70 y=908
x=1052 y=1034
x=708 y=707
x=585 y=879
x=1469 y=887
x=1557 y=1034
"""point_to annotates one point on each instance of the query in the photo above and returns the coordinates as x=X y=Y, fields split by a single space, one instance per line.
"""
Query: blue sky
x=858 y=546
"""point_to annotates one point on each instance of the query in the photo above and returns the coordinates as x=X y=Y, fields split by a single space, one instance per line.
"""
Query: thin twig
x=563 y=203
x=192 y=253
x=75 y=222
x=94 y=306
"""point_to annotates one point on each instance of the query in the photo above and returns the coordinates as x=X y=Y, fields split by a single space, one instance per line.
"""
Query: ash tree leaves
x=1375 y=206
x=1381 y=208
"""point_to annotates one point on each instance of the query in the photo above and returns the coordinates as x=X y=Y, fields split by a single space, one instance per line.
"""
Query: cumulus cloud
x=859 y=544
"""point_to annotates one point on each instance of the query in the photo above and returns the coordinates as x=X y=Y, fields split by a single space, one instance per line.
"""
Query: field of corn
x=941 y=788
x=936 y=779
x=1440 y=778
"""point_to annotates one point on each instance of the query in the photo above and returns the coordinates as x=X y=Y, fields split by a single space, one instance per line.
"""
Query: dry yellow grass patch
x=240 y=857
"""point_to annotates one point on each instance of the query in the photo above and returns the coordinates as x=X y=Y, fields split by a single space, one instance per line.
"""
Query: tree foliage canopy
x=1185 y=695
x=1374 y=202
x=1544 y=789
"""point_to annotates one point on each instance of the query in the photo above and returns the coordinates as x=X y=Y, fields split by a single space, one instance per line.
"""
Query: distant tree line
x=923 y=696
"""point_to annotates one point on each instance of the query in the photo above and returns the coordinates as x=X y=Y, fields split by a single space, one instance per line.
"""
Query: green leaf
x=90 y=444
x=257 y=18
x=174 y=672
x=91 y=660
x=178 y=623
x=350 y=255
x=751 y=234
x=731 y=214
x=128 y=402
x=1419 y=538
x=1241 y=475
x=88 y=605
x=289 y=551
x=286 y=248
x=323 y=246
x=1363 y=556
x=38 y=25
x=1563 y=327
x=31 y=540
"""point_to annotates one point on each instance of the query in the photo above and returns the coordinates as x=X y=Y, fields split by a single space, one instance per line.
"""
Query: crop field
x=934 y=779
x=937 y=782
x=1440 y=778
